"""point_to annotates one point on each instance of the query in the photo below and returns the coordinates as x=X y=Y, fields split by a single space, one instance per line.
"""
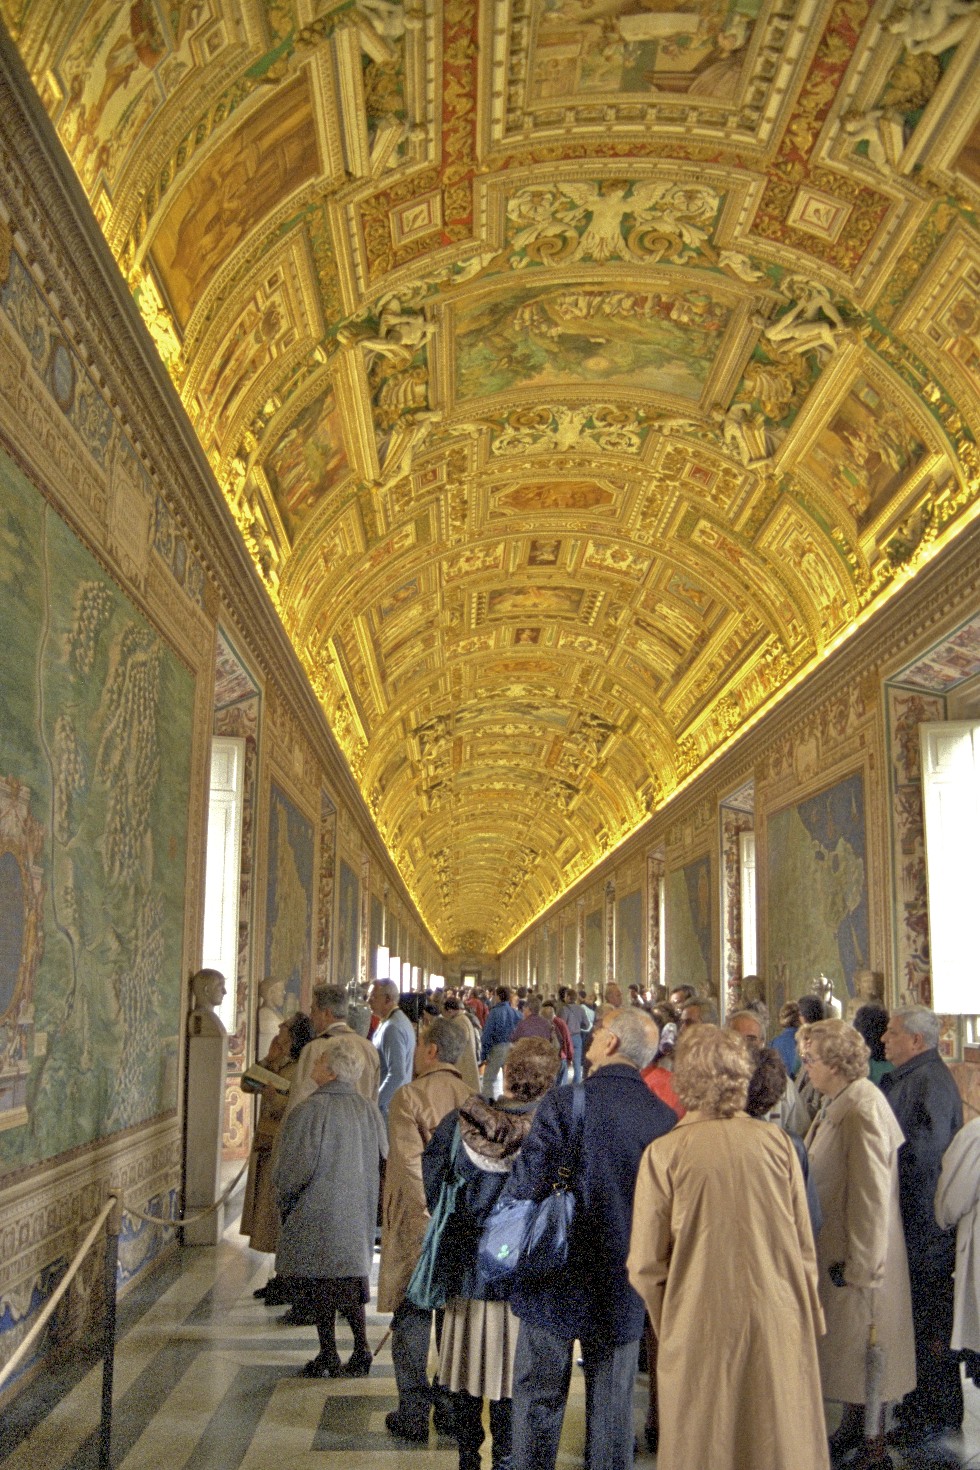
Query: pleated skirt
x=479 y=1340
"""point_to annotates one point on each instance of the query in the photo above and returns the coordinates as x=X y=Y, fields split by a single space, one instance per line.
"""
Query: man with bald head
x=789 y=1112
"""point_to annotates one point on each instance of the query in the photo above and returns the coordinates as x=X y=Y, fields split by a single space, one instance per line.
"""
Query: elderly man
x=328 y=1017
x=591 y=1300
x=416 y=1111
x=498 y=1037
x=394 y=1039
x=926 y=1103
x=789 y=1112
x=698 y=1009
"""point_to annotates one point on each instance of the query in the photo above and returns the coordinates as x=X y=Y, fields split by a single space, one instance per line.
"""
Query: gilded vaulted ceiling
x=578 y=372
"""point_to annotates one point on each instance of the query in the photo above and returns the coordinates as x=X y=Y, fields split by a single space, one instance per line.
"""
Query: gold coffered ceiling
x=578 y=371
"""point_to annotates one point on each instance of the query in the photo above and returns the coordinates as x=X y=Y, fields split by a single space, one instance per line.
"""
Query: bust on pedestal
x=272 y=996
x=207 y=1060
x=869 y=990
x=824 y=987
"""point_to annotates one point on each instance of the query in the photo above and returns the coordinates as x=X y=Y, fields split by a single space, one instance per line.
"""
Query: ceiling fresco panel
x=269 y=156
x=577 y=373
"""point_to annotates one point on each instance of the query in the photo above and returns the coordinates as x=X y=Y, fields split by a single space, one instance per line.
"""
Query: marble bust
x=207 y=992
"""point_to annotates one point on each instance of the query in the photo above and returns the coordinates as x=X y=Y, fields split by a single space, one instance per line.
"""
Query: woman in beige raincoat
x=853 y=1151
x=958 y=1203
x=722 y=1254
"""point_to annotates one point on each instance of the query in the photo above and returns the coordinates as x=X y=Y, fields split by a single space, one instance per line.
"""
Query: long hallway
x=206 y=1380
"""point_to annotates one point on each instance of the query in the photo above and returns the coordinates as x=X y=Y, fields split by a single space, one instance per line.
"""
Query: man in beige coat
x=328 y=1015
x=416 y=1111
x=468 y=1063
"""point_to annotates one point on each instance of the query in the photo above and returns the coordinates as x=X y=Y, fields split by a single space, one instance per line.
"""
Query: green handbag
x=437 y=1272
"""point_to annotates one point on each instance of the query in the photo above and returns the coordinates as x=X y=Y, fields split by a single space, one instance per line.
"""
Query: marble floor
x=206 y=1380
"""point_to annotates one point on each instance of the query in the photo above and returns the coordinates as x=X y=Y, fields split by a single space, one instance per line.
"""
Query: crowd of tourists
x=622 y=1184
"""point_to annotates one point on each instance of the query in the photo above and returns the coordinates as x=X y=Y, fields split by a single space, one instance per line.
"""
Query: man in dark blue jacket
x=591 y=1300
x=498 y=1036
x=926 y=1103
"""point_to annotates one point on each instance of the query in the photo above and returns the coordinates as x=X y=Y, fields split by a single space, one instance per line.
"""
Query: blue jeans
x=493 y=1072
x=577 y=1056
x=542 y=1372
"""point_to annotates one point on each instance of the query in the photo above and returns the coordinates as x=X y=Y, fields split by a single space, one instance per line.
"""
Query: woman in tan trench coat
x=853 y=1148
x=260 y=1217
x=722 y=1254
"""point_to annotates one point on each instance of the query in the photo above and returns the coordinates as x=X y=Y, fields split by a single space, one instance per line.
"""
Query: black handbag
x=526 y=1239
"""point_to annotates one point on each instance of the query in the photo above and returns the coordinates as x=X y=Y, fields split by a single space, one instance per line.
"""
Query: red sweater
x=659 y=1081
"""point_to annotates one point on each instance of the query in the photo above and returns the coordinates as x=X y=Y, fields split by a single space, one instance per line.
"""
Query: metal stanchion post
x=113 y=1227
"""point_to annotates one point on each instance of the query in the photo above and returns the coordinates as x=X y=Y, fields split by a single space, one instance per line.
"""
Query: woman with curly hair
x=480 y=1142
x=853 y=1149
x=722 y=1254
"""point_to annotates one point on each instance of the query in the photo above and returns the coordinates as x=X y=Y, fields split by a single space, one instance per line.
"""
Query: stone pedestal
x=207 y=1059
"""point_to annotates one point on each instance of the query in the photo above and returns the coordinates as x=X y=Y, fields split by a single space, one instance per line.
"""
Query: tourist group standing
x=763 y=1221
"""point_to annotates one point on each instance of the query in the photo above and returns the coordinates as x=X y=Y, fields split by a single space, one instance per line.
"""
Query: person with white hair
x=394 y=1039
x=927 y=1104
x=416 y=1111
x=326 y=1184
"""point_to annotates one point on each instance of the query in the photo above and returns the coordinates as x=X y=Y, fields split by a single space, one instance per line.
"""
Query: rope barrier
x=47 y=1311
x=113 y=1202
x=181 y=1219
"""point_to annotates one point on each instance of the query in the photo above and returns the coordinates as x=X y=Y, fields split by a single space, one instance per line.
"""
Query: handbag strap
x=578 y=1121
x=566 y=1173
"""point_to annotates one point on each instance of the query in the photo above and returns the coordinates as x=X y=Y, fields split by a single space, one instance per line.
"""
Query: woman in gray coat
x=326 y=1181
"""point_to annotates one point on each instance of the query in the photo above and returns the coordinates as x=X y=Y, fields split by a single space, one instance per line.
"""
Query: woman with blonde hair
x=853 y=1147
x=722 y=1254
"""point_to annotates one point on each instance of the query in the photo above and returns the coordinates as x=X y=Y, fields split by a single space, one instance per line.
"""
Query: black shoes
x=358 y=1365
x=296 y=1318
x=275 y=1292
x=324 y=1365
x=403 y=1428
x=444 y=1421
x=918 y=1432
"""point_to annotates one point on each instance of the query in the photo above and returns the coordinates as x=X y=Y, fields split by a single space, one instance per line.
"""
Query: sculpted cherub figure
x=932 y=26
x=811 y=323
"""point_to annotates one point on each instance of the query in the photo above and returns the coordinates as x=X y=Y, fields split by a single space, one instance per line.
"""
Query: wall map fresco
x=95 y=740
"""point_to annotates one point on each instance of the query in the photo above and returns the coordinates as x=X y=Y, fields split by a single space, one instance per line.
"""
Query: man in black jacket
x=926 y=1103
x=591 y=1300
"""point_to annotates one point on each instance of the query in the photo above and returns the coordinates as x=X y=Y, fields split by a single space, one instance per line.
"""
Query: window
x=951 y=807
x=746 y=871
x=662 y=930
x=222 y=878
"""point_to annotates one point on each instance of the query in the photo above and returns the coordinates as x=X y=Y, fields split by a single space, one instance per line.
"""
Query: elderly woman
x=958 y=1203
x=853 y=1149
x=722 y=1254
x=479 y=1335
x=326 y=1181
x=260 y=1218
